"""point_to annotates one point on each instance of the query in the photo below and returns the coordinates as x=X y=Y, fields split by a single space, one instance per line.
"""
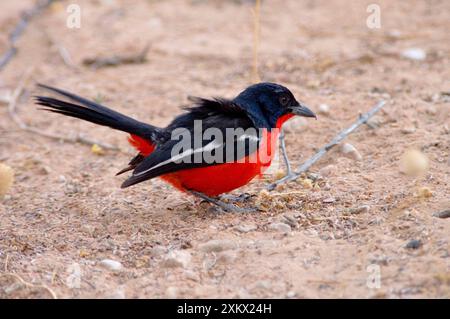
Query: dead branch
x=30 y=285
x=335 y=141
x=15 y=117
x=18 y=30
x=115 y=60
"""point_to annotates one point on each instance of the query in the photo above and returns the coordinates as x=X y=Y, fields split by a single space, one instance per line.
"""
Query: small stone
x=61 y=179
x=307 y=183
x=324 y=108
x=424 y=192
x=118 y=294
x=262 y=285
x=281 y=227
x=97 y=150
x=291 y=294
x=408 y=130
x=177 y=258
x=172 y=292
x=226 y=257
x=6 y=179
x=414 y=244
x=327 y=170
x=443 y=214
x=431 y=110
x=217 y=245
x=111 y=264
x=329 y=200
x=416 y=54
x=364 y=209
x=158 y=250
x=290 y=220
x=245 y=228
x=413 y=162
x=351 y=152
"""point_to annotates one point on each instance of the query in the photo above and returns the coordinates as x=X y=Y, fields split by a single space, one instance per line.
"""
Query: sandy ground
x=66 y=212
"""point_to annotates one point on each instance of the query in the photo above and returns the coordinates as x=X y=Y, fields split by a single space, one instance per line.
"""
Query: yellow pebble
x=6 y=179
x=307 y=183
x=414 y=162
x=97 y=150
x=424 y=192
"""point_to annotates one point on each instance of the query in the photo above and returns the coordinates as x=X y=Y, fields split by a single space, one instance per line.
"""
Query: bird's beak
x=302 y=110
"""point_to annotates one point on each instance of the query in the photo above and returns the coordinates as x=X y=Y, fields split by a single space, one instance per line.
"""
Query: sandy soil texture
x=68 y=230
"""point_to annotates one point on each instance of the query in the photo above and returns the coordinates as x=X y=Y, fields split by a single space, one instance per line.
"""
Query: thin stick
x=256 y=36
x=19 y=28
x=28 y=284
x=338 y=138
x=101 y=62
x=15 y=117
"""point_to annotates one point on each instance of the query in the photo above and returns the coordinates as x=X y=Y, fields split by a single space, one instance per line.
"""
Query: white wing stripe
x=206 y=148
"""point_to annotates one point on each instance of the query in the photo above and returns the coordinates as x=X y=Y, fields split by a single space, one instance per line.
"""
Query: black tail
x=95 y=113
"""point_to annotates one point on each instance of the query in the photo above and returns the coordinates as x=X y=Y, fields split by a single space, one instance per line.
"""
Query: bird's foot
x=222 y=205
x=238 y=199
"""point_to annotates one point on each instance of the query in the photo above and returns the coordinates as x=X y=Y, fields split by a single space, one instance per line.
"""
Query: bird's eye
x=284 y=100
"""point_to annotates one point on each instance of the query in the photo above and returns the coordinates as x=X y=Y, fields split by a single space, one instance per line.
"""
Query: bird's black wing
x=221 y=138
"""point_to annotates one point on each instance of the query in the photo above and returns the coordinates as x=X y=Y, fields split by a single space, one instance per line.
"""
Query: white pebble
x=172 y=292
x=324 y=108
x=245 y=228
x=351 y=152
x=416 y=54
x=217 y=245
x=111 y=264
x=177 y=258
x=281 y=227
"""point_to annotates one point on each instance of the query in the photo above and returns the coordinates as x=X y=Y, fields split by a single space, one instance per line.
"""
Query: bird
x=215 y=146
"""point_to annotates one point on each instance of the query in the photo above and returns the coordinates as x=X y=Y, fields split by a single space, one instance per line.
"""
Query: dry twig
x=19 y=28
x=28 y=284
x=101 y=62
x=336 y=140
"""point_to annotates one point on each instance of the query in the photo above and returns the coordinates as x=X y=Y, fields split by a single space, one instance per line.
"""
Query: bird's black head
x=266 y=102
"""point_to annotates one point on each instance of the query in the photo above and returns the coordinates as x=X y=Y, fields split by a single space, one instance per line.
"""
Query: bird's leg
x=239 y=198
x=284 y=153
x=224 y=206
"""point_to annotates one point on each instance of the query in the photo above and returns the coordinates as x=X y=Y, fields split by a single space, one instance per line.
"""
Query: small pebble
x=281 y=227
x=408 y=130
x=413 y=162
x=443 y=214
x=291 y=294
x=324 y=108
x=217 y=245
x=172 y=292
x=177 y=258
x=245 y=228
x=424 y=192
x=6 y=179
x=414 y=244
x=351 y=152
x=360 y=210
x=416 y=54
x=111 y=264
x=226 y=257
x=329 y=200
